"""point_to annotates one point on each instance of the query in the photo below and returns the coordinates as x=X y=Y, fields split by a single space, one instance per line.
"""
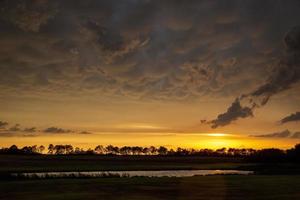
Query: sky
x=195 y=74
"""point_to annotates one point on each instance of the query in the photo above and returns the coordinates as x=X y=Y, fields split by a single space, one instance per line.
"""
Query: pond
x=167 y=173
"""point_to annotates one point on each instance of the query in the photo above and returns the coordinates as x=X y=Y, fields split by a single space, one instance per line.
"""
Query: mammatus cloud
x=3 y=124
x=156 y=50
x=291 y=118
x=283 y=77
x=234 y=112
x=282 y=134
x=27 y=15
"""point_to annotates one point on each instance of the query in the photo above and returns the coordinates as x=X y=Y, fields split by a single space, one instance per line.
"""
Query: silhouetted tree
x=59 y=149
x=125 y=150
x=69 y=149
x=89 y=152
x=153 y=150
x=162 y=150
x=264 y=155
x=27 y=150
x=78 y=150
x=99 y=149
x=268 y=155
x=34 y=149
x=110 y=149
x=137 y=150
x=294 y=153
x=221 y=151
x=41 y=148
x=146 y=151
x=13 y=148
x=50 y=149
x=171 y=152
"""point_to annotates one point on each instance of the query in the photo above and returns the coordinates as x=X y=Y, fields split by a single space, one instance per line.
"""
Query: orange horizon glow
x=170 y=140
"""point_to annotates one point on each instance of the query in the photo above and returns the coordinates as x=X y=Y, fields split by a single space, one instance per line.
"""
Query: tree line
x=249 y=153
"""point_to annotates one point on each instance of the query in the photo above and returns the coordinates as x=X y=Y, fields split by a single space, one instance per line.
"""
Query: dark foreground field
x=272 y=181
x=42 y=163
x=138 y=188
x=35 y=163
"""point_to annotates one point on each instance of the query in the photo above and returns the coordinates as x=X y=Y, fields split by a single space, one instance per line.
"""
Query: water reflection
x=165 y=173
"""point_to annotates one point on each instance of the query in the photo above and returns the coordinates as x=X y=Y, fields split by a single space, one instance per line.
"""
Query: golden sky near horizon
x=200 y=74
x=169 y=140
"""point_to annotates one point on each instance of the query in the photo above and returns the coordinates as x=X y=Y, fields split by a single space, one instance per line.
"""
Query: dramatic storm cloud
x=234 y=112
x=282 y=77
x=142 y=49
x=286 y=73
x=27 y=15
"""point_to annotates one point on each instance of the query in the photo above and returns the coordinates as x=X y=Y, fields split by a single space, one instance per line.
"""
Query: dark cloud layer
x=85 y=132
x=144 y=49
x=56 y=130
x=281 y=78
x=3 y=124
x=234 y=112
x=27 y=15
x=285 y=74
x=30 y=130
x=150 y=50
x=282 y=134
x=17 y=130
x=16 y=127
x=291 y=118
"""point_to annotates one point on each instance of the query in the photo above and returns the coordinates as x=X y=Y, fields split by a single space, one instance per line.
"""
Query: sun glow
x=218 y=134
x=139 y=126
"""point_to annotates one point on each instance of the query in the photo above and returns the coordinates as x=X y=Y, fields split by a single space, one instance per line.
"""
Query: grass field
x=270 y=187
